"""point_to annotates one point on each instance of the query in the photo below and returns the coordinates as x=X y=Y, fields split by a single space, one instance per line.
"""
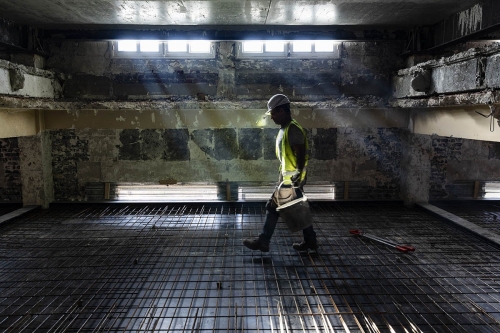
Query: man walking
x=291 y=150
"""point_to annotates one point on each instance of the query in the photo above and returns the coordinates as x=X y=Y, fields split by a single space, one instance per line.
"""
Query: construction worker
x=291 y=150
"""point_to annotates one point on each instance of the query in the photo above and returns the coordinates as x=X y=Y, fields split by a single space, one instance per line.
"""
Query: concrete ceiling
x=116 y=13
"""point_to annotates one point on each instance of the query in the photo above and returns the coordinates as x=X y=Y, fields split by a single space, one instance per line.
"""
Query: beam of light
x=166 y=193
x=262 y=122
x=190 y=12
x=317 y=14
x=261 y=193
x=492 y=190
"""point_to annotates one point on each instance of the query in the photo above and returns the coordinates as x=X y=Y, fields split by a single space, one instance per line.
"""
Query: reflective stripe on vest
x=288 y=160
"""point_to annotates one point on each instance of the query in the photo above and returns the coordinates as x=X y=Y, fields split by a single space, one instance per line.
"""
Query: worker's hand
x=296 y=177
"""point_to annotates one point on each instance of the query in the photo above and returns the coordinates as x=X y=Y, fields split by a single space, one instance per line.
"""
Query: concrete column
x=227 y=72
x=36 y=169
x=415 y=168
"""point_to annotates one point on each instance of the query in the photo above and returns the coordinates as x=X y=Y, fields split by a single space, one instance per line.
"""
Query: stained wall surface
x=212 y=155
x=201 y=120
x=10 y=175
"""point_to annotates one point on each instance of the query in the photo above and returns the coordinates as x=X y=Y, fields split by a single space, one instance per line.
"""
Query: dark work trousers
x=272 y=219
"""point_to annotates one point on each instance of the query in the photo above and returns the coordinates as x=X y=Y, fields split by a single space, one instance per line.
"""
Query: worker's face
x=278 y=115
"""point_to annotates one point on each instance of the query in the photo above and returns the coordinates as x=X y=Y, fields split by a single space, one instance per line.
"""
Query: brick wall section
x=361 y=69
x=67 y=150
x=371 y=156
x=10 y=175
x=386 y=149
x=444 y=149
x=151 y=144
x=377 y=162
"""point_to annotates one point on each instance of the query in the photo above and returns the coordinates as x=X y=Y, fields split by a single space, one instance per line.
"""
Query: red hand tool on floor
x=400 y=247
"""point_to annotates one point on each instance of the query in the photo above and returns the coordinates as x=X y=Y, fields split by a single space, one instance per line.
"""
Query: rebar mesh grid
x=183 y=268
x=485 y=213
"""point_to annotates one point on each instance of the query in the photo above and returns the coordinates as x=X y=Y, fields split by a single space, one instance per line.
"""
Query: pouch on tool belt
x=283 y=195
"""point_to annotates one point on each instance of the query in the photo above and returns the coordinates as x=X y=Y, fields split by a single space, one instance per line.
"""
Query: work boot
x=301 y=247
x=256 y=244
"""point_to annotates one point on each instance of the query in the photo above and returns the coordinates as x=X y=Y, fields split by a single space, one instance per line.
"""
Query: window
x=275 y=46
x=149 y=46
x=302 y=46
x=199 y=47
x=127 y=46
x=163 y=49
x=177 y=46
x=288 y=49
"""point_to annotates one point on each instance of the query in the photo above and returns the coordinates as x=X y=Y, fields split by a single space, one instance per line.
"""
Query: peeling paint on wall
x=372 y=157
x=470 y=20
x=215 y=154
x=456 y=163
x=68 y=149
x=153 y=144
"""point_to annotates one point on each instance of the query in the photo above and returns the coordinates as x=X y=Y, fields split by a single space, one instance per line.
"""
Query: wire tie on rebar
x=136 y=261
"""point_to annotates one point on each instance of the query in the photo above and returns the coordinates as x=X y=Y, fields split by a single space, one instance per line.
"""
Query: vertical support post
x=36 y=169
x=346 y=190
x=415 y=168
x=476 y=189
x=228 y=190
x=107 y=190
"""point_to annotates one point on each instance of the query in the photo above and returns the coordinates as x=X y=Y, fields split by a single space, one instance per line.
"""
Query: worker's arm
x=300 y=153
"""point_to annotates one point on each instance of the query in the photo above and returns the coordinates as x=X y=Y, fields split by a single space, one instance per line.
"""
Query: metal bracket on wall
x=494 y=114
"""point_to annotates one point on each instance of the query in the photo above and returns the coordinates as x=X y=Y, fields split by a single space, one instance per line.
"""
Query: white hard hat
x=276 y=101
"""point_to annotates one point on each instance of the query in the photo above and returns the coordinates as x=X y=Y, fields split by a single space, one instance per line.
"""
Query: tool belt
x=283 y=195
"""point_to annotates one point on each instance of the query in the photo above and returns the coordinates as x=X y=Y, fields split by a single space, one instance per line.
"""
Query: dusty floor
x=183 y=268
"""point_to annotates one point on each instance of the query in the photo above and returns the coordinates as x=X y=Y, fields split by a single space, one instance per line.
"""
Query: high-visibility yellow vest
x=288 y=160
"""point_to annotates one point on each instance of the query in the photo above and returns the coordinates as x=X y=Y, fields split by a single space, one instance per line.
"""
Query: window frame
x=288 y=52
x=162 y=54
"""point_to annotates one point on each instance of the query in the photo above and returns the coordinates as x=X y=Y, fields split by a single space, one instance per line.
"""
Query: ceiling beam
x=230 y=33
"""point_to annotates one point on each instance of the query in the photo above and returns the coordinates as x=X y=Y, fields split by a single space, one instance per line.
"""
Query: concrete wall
x=456 y=163
x=215 y=145
x=20 y=80
x=36 y=169
x=146 y=120
x=456 y=121
x=391 y=163
x=363 y=69
x=369 y=155
x=10 y=174
x=472 y=70
x=18 y=122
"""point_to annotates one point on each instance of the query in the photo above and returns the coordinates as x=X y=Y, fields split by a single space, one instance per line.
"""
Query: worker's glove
x=296 y=177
